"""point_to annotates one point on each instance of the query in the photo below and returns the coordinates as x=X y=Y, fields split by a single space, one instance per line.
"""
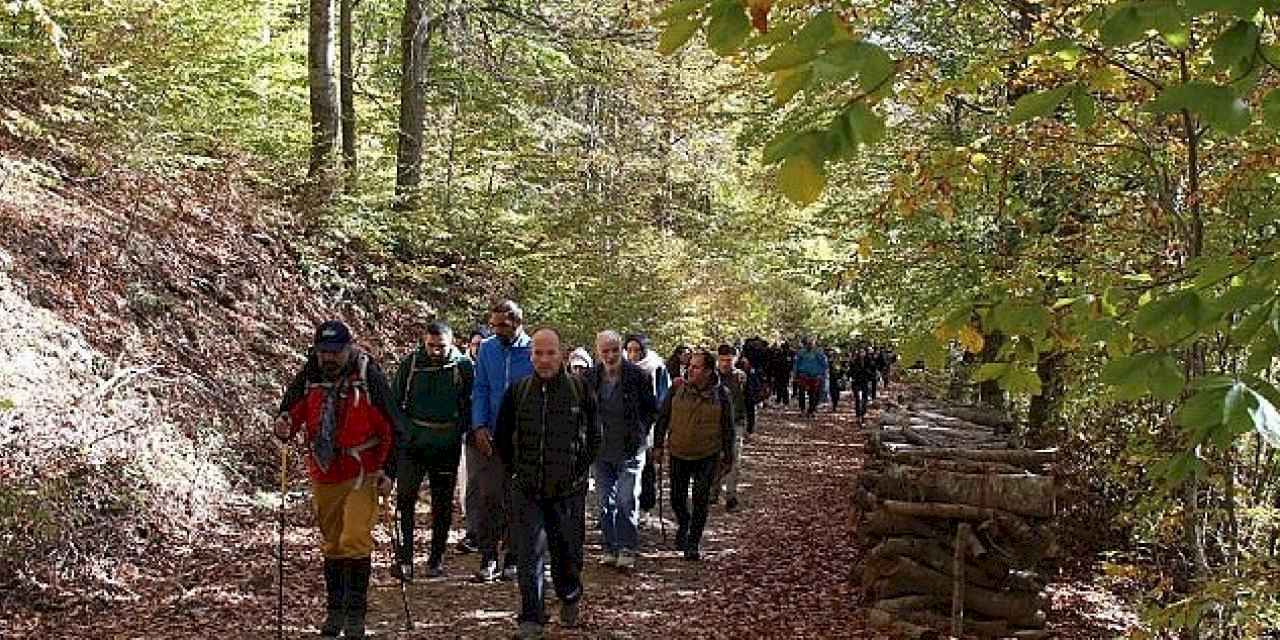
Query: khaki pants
x=346 y=517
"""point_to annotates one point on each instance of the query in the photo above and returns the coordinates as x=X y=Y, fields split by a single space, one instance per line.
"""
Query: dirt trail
x=778 y=567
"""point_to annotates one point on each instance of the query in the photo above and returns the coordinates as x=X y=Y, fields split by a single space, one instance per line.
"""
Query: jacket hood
x=651 y=362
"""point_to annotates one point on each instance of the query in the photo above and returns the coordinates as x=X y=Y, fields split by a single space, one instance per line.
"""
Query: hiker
x=468 y=542
x=623 y=395
x=887 y=358
x=755 y=394
x=433 y=387
x=875 y=359
x=503 y=359
x=678 y=363
x=697 y=418
x=780 y=372
x=548 y=436
x=860 y=375
x=810 y=370
x=735 y=381
x=639 y=353
x=835 y=377
x=341 y=402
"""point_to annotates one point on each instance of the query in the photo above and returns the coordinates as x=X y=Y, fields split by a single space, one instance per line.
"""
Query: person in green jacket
x=433 y=389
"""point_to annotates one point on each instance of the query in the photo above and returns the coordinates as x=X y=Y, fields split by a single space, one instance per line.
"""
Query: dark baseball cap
x=332 y=335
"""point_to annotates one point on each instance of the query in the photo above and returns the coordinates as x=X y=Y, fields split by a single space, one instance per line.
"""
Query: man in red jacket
x=341 y=402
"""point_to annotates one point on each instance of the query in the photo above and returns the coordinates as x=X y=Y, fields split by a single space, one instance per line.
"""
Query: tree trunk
x=348 y=95
x=415 y=46
x=324 y=98
x=990 y=394
x=1042 y=416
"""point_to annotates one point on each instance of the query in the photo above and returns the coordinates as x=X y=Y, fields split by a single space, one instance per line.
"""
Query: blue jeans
x=618 y=485
x=548 y=525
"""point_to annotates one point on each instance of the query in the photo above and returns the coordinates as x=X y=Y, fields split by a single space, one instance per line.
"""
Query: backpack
x=413 y=370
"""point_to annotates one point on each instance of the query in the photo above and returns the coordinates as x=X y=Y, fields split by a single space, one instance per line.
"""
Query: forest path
x=778 y=567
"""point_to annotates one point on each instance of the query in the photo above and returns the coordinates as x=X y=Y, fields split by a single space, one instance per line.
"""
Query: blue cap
x=332 y=335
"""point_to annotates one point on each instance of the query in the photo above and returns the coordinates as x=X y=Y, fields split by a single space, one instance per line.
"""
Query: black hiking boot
x=435 y=566
x=357 y=597
x=335 y=586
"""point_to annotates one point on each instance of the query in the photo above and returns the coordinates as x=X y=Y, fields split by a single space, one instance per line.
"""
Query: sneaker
x=610 y=559
x=731 y=504
x=693 y=553
x=488 y=571
x=626 y=560
x=467 y=545
x=402 y=571
x=435 y=568
x=529 y=631
x=569 y=614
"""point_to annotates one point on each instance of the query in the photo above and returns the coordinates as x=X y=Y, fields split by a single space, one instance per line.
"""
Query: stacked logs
x=958 y=526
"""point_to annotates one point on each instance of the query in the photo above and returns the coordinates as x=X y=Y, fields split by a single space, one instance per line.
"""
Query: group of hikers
x=524 y=424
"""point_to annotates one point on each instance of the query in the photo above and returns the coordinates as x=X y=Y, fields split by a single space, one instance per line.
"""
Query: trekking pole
x=395 y=558
x=662 y=520
x=284 y=493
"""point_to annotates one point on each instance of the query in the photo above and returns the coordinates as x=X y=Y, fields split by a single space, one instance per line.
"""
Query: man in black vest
x=548 y=436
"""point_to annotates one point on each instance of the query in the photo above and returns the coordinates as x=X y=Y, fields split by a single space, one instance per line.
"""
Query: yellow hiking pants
x=346 y=517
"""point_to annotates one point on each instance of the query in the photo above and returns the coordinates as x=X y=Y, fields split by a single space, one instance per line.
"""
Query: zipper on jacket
x=542 y=454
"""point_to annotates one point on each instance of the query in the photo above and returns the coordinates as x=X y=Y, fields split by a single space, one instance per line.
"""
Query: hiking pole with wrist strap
x=393 y=524
x=284 y=497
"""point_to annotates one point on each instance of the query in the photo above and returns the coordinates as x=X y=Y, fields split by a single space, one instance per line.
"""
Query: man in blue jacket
x=503 y=360
x=810 y=371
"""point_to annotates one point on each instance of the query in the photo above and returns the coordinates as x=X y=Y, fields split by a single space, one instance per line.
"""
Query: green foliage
x=1218 y=105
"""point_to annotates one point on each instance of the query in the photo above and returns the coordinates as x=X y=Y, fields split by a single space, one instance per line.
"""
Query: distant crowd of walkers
x=523 y=424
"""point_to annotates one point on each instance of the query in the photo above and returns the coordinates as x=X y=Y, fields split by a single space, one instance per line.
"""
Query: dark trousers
x=413 y=467
x=808 y=387
x=542 y=526
x=648 y=485
x=875 y=378
x=702 y=474
x=860 y=391
x=835 y=397
x=782 y=390
x=751 y=415
x=488 y=493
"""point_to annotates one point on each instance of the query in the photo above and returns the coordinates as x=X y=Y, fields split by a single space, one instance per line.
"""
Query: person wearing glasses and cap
x=341 y=402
